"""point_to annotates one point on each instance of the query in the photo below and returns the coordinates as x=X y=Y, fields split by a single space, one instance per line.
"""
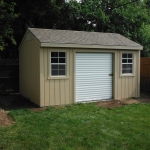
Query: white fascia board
x=91 y=46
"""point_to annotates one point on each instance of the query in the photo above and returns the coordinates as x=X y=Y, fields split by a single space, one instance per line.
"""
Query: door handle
x=110 y=74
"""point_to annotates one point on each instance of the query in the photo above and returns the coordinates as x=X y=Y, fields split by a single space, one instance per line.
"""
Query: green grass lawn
x=79 y=127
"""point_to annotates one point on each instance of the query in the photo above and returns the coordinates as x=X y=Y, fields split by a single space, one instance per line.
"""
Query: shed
x=62 y=67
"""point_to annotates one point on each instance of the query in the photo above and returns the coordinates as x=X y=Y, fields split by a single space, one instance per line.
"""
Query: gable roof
x=52 y=36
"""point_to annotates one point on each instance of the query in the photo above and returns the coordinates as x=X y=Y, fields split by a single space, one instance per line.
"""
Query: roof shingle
x=81 y=37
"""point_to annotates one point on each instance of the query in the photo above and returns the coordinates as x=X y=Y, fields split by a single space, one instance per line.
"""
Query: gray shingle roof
x=81 y=37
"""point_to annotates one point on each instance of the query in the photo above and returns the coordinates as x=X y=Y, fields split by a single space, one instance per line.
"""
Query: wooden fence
x=9 y=75
x=145 y=74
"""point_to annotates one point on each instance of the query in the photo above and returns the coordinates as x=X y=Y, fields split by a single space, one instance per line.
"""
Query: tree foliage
x=7 y=17
x=130 y=18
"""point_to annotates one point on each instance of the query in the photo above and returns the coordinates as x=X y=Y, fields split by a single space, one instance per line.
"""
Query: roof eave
x=91 y=46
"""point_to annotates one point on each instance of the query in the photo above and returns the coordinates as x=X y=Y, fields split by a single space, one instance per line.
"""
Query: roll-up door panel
x=93 y=76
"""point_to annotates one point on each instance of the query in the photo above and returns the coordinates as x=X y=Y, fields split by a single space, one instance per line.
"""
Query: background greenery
x=130 y=18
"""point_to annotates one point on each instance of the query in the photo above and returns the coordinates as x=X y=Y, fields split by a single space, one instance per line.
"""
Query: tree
x=127 y=17
x=7 y=17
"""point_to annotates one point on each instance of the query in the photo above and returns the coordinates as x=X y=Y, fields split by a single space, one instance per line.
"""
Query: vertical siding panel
x=133 y=87
x=127 y=88
x=115 y=81
x=119 y=91
x=31 y=70
x=41 y=78
x=130 y=86
x=46 y=86
x=34 y=54
x=31 y=73
x=67 y=91
x=52 y=92
x=135 y=78
x=57 y=92
x=62 y=94
x=122 y=87
x=38 y=73
x=138 y=73
x=28 y=68
x=71 y=98
x=116 y=74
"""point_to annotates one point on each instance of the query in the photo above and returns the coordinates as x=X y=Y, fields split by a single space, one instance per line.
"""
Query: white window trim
x=49 y=65
x=133 y=64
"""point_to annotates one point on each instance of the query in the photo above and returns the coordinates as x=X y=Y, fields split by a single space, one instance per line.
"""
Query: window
x=127 y=63
x=58 y=63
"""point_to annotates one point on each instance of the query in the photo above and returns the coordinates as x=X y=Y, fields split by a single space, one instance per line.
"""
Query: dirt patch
x=5 y=119
x=11 y=102
x=118 y=103
x=38 y=109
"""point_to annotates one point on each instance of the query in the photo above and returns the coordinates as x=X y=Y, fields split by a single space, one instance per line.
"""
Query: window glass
x=124 y=55
x=58 y=63
x=124 y=60
x=54 y=60
x=61 y=60
x=55 y=67
x=62 y=54
x=61 y=72
x=129 y=55
x=54 y=72
x=129 y=60
x=127 y=63
x=61 y=66
x=54 y=54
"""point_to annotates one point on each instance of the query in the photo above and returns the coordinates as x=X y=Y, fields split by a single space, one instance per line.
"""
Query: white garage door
x=93 y=76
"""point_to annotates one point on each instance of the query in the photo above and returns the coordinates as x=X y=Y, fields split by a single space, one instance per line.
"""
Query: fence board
x=145 y=74
x=9 y=75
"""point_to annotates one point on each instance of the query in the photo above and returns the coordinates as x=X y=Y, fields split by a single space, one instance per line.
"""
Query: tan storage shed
x=62 y=67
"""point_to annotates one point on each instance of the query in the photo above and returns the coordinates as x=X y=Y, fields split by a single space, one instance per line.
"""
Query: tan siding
x=42 y=98
x=29 y=69
x=119 y=90
x=71 y=85
x=133 y=87
x=135 y=82
x=46 y=83
x=135 y=78
x=62 y=92
x=139 y=59
x=52 y=92
x=68 y=101
x=128 y=86
x=114 y=86
x=55 y=91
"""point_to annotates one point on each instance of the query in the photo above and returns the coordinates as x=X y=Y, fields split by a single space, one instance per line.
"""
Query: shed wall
x=126 y=86
x=62 y=91
x=57 y=91
x=29 y=69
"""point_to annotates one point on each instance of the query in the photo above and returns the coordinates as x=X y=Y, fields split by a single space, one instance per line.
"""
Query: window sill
x=127 y=75
x=58 y=78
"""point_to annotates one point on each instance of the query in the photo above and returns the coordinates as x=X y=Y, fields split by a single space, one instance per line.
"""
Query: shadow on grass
x=15 y=101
